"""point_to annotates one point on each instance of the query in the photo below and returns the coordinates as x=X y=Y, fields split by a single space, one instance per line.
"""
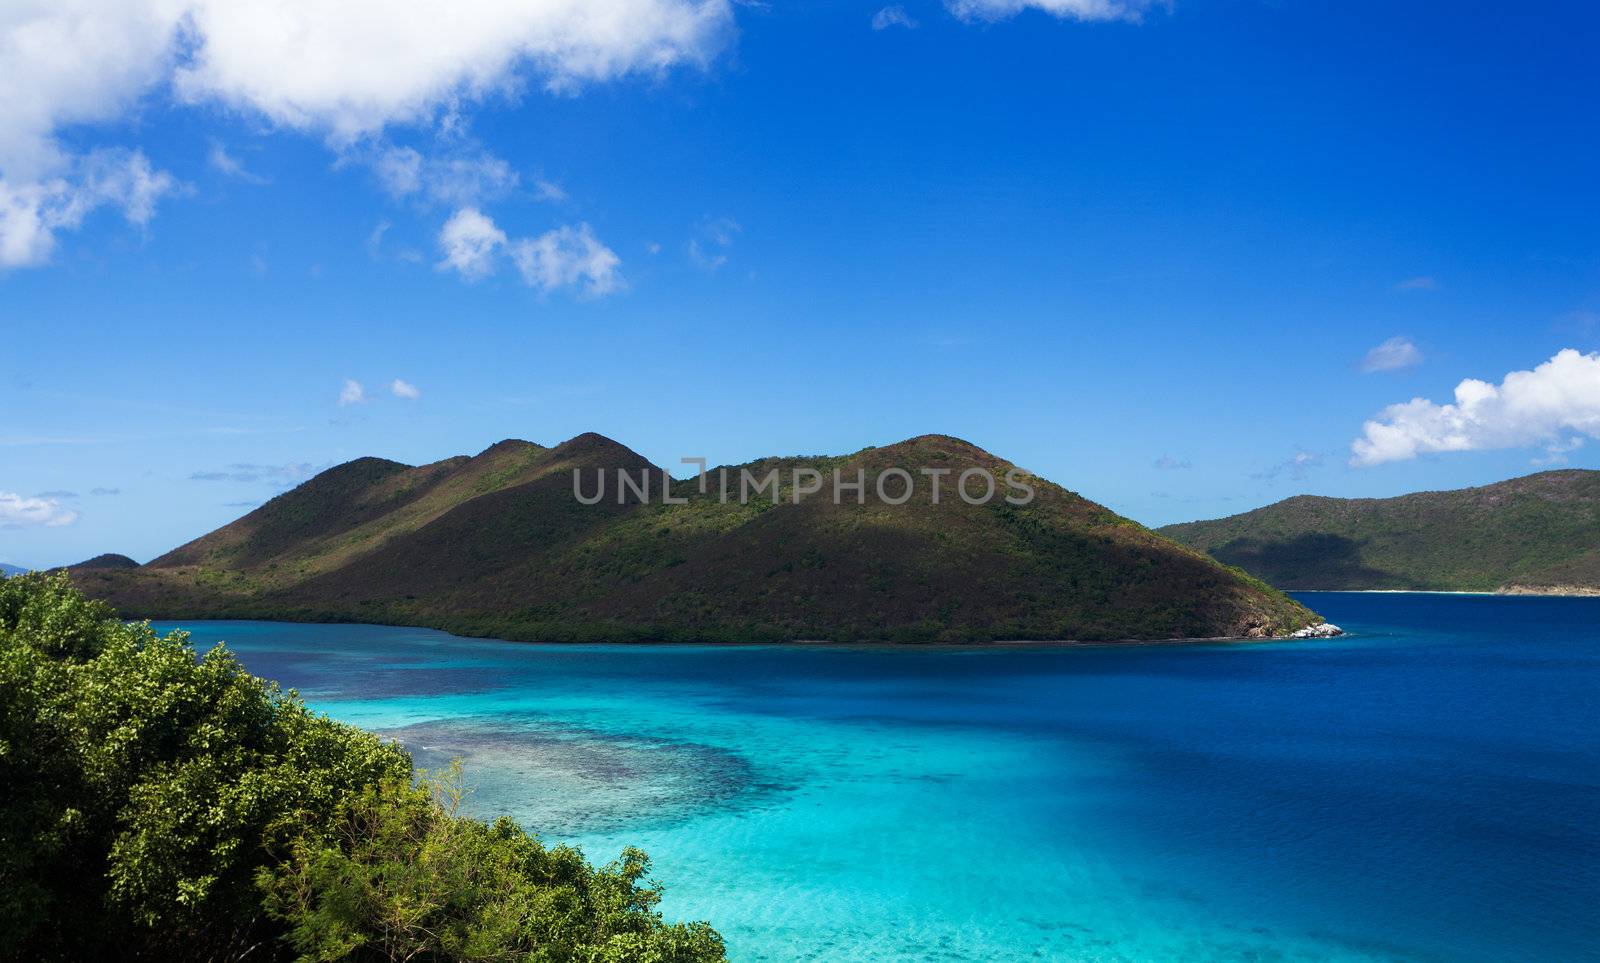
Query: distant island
x=499 y=544
x=8 y=570
x=1539 y=534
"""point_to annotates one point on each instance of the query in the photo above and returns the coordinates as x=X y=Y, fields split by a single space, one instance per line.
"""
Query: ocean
x=1425 y=788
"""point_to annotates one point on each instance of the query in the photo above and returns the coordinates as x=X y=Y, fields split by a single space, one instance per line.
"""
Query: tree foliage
x=162 y=804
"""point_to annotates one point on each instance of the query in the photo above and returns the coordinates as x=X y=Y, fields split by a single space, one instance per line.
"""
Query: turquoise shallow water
x=1427 y=788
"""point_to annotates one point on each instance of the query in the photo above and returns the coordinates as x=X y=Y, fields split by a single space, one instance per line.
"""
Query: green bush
x=159 y=804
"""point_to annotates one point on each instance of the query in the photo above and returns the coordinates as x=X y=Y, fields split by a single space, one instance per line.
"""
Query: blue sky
x=1174 y=257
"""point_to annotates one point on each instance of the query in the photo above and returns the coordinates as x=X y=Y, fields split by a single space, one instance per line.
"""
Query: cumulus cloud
x=1555 y=402
x=350 y=69
x=1065 y=9
x=352 y=393
x=470 y=242
x=568 y=257
x=894 y=16
x=405 y=389
x=1392 y=355
x=344 y=71
x=17 y=511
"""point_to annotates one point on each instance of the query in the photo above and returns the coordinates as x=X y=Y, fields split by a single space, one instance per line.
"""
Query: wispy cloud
x=1065 y=9
x=283 y=476
x=105 y=491
x=1168 y=463
x=709 y=247
x=893 y=16
x=1419 y=283
x=1296 y=467
x=56 y=495
x=455 y=180
x=352 y=393
x=405 y=389
x=1549 y=405
x=1392 y=355
x=33 y=212
x=222 y=161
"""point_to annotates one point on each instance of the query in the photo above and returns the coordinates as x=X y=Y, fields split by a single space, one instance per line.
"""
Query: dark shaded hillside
x=497 y=545
x=1538 y=532
x=108 y=560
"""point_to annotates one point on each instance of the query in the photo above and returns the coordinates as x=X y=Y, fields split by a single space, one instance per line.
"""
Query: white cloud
x=17 y=511
x=470 y=242
x=1065 y=9
x=1547 y=406
x=550 y=191
x=345 y=71
x=350 y=69
x=568 y=257
x=1392 y=355
x=352 y=393
x=1421 y=283
x=894 y=16
x=457 y=180
x=221 y=160
x=405 y=389
x=31 y=212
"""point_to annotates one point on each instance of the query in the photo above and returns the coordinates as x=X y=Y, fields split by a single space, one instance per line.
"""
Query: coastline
x=1543 y=591
x=182 y=622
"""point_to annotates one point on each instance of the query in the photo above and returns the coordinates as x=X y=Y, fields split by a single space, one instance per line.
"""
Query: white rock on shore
x=1322 y=630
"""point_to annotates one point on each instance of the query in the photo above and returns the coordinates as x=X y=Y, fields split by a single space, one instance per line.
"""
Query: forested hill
x=497 y=544
x=1536 y=533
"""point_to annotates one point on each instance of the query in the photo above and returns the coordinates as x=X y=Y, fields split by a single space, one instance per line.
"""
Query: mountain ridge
x=497 y=544
x=1529 y=534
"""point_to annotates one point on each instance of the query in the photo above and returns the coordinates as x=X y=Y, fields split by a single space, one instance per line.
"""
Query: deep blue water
x=1427 y=788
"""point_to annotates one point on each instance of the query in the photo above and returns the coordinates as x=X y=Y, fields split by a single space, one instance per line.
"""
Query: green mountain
x=497 y=544
x=1536 y=533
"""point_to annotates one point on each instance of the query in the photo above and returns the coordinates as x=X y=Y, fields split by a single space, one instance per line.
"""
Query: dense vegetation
x=167 y=806
x=1537 y=532
x=498 y=545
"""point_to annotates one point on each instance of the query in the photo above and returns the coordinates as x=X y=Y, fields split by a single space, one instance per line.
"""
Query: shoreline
x=1549 y=592
x=183 y=623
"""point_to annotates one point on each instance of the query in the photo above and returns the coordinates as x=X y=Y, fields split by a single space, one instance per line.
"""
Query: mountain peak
x=510 y=445
x=108 y=560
